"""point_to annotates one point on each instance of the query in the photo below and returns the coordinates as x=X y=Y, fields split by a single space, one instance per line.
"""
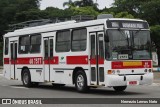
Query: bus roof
x=62 y=25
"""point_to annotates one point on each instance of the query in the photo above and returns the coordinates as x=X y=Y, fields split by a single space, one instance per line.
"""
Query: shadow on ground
x=92 y=91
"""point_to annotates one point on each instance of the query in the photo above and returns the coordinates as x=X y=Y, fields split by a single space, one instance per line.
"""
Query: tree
x=144 y=9
x=9 y=8
x=84 y=3
x=58 y=13
x=155 y=36
x=131 y=6
x=70 y=4
x=124 y=15
x=88 y=10
x=150 y=12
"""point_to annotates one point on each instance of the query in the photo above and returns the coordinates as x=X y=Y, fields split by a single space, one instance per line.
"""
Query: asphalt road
x=14 y=89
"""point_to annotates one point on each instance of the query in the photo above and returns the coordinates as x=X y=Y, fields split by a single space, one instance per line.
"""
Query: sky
x=59 y=3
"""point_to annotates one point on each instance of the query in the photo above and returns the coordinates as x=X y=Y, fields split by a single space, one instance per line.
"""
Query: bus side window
x=24 y=44
x=6 y=46
x=93 y=47
x=79 y=37
x=35 y=43
x=46 y=55
x=63 y=41
x=51 y=48
x=101 y=46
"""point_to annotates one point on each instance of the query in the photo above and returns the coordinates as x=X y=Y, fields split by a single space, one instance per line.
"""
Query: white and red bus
x=109 y=52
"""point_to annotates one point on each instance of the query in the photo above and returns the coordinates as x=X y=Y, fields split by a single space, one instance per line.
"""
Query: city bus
x=106 y=52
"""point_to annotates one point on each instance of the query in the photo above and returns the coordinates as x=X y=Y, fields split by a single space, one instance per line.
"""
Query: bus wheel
x=26 y=78
x=81 y=82
x=120 y=88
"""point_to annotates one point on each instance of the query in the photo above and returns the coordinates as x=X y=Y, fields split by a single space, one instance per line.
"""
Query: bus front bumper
x=123 y=80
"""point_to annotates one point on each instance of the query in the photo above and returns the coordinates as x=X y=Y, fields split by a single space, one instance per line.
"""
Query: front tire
x=26 y=78
x=81 y=82
x=119 y=88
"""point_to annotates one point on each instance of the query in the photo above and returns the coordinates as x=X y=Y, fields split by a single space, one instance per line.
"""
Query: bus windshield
x=129 y=44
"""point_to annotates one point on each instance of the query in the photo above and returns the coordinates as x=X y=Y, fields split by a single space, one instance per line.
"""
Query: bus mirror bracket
x=106 y=38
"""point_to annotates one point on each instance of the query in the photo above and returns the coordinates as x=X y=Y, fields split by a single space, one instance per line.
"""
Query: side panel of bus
x=60 y=55
x=96 y=55
x=6 y=59
x=29 y=56
x=49 y=60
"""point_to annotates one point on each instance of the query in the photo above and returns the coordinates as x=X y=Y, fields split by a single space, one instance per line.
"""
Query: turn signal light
x=109 y=71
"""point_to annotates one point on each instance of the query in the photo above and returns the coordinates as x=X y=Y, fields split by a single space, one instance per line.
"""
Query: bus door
x=97 y=58
x=48 y=56
x=13 y=59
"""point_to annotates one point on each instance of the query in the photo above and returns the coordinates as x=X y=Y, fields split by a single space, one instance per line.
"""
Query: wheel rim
x=80 y=81
x=25 y=78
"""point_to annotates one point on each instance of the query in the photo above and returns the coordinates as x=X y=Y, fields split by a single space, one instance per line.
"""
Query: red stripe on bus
x=53 y=60
x=77 y=59
x=100 y=61
x=120 y=65
x=28 y=60
x=31 y=61
x=6 y=60
x=82 y=60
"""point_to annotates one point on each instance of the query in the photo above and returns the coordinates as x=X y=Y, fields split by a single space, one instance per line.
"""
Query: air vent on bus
x=82 y=18
x=104 y=16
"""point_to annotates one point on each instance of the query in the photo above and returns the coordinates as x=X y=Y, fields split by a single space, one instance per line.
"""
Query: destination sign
x=132 y=25
x=127 y=24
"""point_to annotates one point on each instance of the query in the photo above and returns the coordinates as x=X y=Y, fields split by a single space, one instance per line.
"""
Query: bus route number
x=35 y=61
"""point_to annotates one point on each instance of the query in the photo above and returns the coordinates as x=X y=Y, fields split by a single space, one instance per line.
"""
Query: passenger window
x=79 y=40
x=63 y=41
x=6 y=46
x=24 y=44
x=51 y=48
x=35 y=43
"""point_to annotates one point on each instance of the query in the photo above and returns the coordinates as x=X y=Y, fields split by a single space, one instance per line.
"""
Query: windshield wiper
x=125 y=36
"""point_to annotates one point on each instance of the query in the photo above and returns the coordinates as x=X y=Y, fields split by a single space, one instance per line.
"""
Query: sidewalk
x=156 y=77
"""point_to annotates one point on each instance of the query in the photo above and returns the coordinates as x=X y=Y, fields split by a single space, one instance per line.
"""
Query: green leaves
x=155 y=35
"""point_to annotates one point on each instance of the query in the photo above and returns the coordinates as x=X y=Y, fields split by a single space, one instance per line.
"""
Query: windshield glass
x=125 y=44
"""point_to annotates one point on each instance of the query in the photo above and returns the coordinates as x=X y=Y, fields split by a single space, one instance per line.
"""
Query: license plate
x=132 y=83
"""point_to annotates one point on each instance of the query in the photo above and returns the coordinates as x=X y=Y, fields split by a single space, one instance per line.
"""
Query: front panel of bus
x=128 y=52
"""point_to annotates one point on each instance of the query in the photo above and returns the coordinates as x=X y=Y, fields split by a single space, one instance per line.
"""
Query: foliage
x=155 y=36
x=88 y=10
x=9 y=8
x=151 y=10
x=124 y=15
x=84 y=3
x=70 y=4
